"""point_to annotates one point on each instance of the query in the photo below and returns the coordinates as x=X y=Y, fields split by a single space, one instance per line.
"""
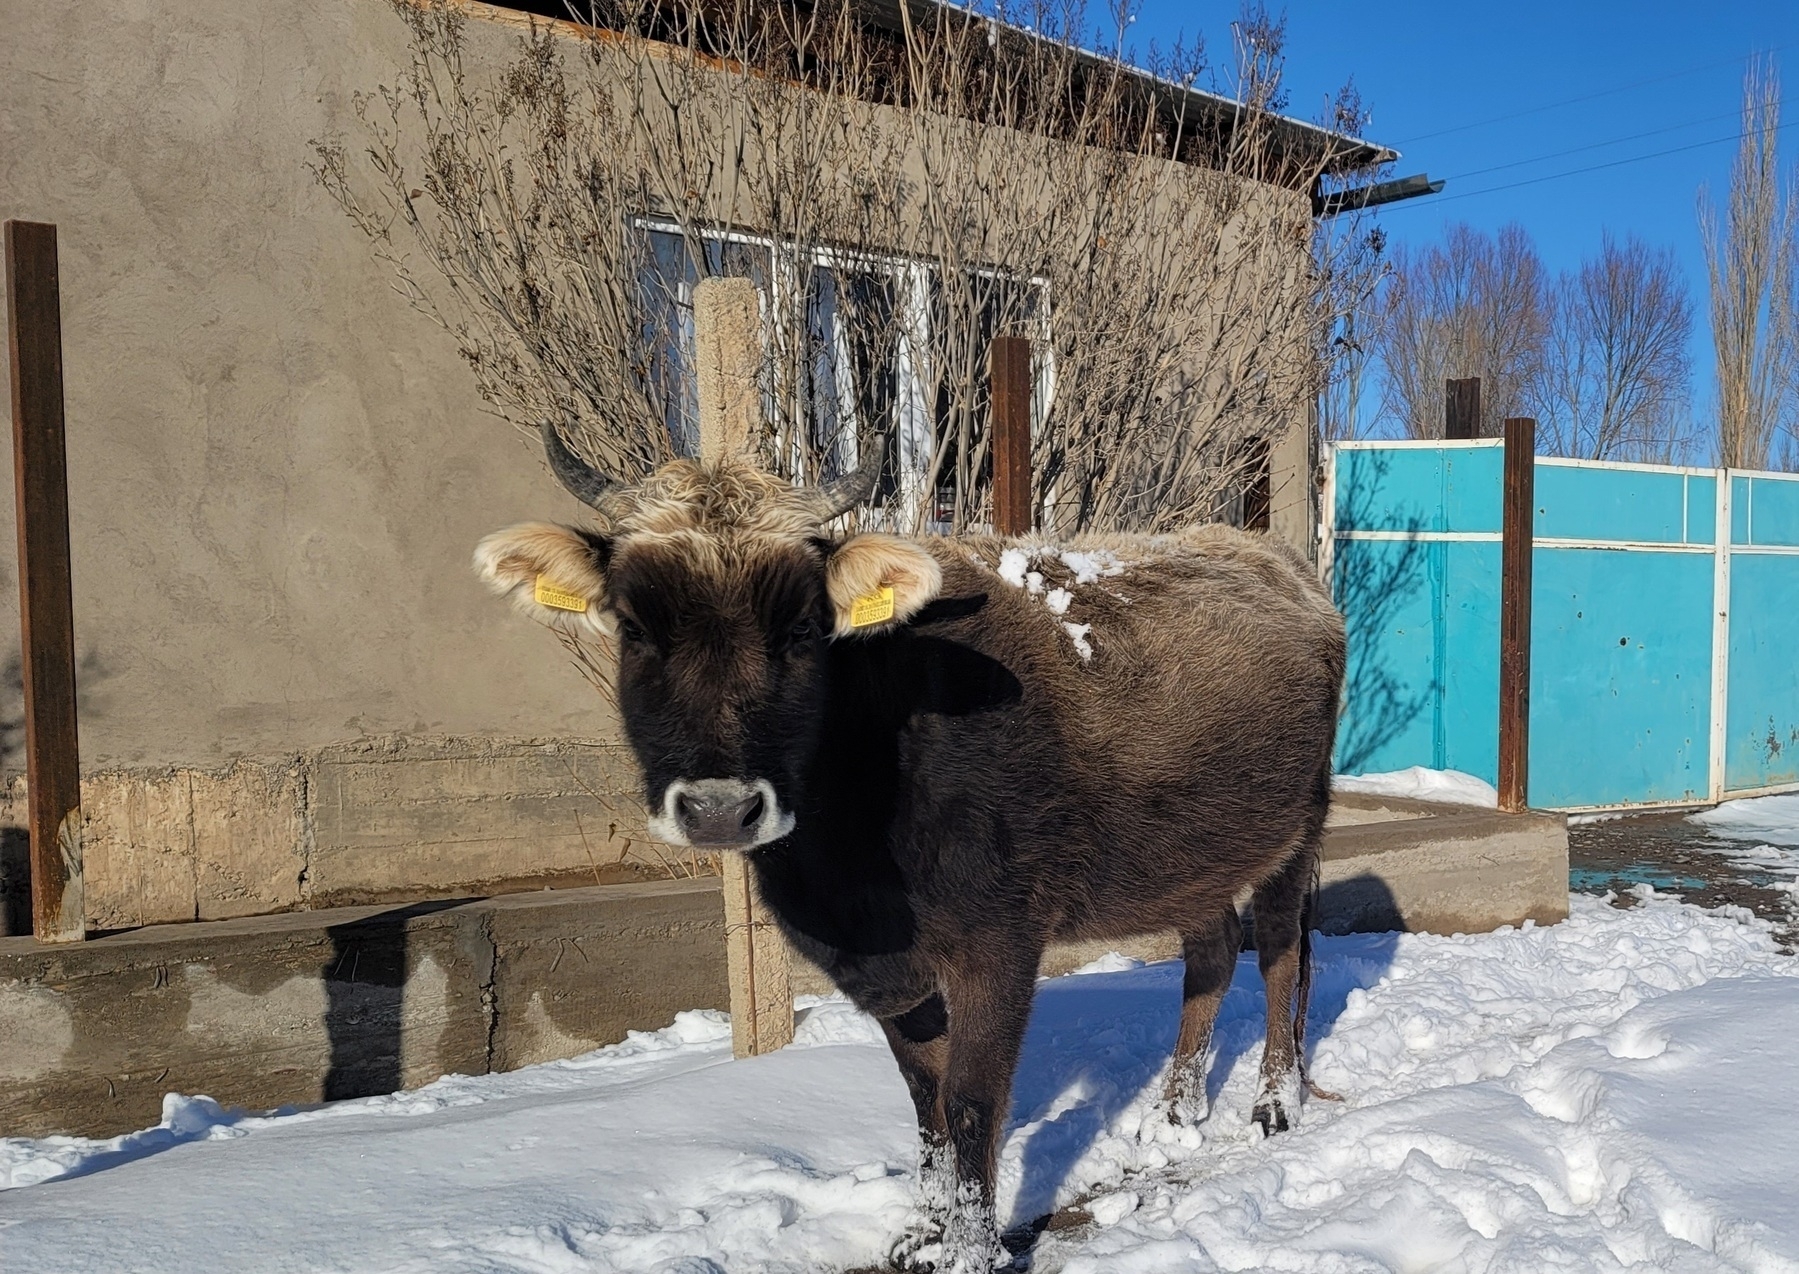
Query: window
x=665 y=284
x=870 y=355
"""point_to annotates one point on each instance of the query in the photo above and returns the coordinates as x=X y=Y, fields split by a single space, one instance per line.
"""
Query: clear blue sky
x=1425 y=68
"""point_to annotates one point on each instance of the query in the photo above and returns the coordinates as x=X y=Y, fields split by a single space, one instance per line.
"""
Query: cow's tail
x=1303 y=997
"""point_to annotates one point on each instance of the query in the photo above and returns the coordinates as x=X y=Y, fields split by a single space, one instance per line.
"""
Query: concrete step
x=313 y=1006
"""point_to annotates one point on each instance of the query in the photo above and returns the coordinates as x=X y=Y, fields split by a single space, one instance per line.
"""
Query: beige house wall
x=292 y=690
x=277 y=474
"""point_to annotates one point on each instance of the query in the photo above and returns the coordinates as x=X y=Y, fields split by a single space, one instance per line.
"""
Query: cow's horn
x=586 y=483
x=840 y=495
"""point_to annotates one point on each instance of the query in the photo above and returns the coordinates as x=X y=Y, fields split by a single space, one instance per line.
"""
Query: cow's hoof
x=1270 y=1116
x=1277 y=1107
x=1187 y=1109
x=972 y=1246
x=918 y=1251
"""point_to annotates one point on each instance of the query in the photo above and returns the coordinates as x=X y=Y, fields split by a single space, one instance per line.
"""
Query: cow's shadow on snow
x=1099 y=1044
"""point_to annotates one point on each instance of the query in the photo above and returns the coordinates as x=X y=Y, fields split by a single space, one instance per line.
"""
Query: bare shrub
x=900 y=199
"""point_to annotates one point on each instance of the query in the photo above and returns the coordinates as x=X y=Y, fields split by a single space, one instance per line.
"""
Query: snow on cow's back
x=1119 y=604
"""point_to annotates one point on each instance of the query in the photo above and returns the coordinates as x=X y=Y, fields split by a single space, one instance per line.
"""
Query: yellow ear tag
x=558 y=598
x=872 y=608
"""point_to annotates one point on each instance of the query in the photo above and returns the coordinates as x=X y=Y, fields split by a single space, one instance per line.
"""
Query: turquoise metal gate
x=1664 y=622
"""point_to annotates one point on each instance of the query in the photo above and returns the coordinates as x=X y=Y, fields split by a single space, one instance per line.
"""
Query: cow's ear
x=877 y=581
x=553 y=574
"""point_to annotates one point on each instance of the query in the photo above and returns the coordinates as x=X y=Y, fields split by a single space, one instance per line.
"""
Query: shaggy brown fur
x=1092 y=740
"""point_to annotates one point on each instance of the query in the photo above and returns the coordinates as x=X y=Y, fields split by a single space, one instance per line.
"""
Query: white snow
x=1083 y=566
x=1451 y=787
x=1091 y=564
x=1759 y=836
x=1613 y=1091
x=1770 y=820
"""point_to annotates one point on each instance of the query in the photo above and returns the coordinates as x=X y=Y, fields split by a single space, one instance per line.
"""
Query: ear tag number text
x=872 y=608
x=556 y=598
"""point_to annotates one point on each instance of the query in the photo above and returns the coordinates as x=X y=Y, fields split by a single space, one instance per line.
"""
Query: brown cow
x=940 y=754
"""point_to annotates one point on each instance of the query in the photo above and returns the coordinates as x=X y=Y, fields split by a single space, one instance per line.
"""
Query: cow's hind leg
x=920 y=1042
x=1280 y=911
x=1210 y=949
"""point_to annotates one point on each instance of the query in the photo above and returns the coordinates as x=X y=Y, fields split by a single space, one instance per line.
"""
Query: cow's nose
x=719 y=811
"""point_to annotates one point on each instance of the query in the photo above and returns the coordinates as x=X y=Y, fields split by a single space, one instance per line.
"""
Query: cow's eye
x=629 y=629
x=804 y=631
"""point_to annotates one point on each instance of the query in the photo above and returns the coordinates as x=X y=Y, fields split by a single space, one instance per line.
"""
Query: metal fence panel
x=1423 y=684
x=1762 y=684
x=1663 y=664
x=1620 y=677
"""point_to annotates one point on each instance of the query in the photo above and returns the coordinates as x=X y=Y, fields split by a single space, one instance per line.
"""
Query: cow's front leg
x=920 y=1042
x=989 y=1005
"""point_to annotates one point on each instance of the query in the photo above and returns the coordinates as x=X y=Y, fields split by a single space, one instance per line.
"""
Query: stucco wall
x=277 y=469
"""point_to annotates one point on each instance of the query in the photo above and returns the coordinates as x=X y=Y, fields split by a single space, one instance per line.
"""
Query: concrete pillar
x=727 y=351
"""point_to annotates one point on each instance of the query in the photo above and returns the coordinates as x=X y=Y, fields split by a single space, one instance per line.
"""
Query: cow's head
x=721 y=588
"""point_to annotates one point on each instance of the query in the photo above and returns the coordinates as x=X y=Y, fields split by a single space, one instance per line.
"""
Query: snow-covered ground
x=1607 y=1093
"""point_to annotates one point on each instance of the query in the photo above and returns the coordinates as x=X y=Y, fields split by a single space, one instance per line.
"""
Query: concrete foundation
x=343 y=1002
x=392 y=819
x=331 y=1003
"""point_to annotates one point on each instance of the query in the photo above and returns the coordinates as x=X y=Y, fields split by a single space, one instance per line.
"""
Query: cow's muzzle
x=720 y=814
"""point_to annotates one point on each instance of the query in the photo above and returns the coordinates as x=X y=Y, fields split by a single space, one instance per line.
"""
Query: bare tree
x=1351 y=256
x=1349 y=401
x=899 y=200
x=1752 y=282
x=1616 y=375
x=1786 y=335
x=1474 y=305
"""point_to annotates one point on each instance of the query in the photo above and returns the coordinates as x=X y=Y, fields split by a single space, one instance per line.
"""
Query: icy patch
x=1013 y=563
x=1450 y=787
x=1058 y=601
x=1078 y=633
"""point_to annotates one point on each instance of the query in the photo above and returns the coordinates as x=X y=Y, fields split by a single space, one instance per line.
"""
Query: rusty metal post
x=1517 y=542
x=727 y=348
x=1461 y=408
x=46 y=609
x=1009 y=372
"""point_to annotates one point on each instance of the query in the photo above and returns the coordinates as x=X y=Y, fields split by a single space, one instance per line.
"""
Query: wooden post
x=727 y=349
x=1009 y=372
x=1517 y=540
x=1461 y=408
x=46 y=611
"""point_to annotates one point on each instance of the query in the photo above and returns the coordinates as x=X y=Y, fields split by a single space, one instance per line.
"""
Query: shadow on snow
x=1097 y=1041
